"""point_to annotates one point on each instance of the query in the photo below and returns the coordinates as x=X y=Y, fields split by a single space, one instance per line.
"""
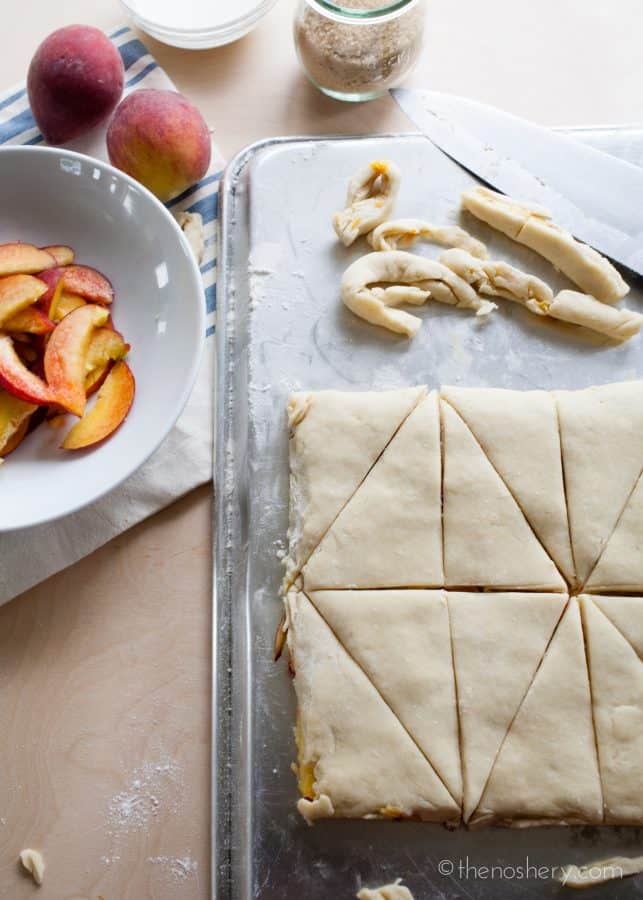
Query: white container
x=197 y=24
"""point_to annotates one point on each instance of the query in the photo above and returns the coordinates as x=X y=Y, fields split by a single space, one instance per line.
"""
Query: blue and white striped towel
x=30 y=556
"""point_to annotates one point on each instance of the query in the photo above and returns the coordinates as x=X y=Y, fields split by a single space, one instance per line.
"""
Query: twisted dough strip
x=398 y=233
x=532 y=226
x=499 y=279
x=369 y=201
x=412 y=279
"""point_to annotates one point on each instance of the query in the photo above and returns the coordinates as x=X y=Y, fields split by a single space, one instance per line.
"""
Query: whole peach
x=74 y=82
x=161 y=139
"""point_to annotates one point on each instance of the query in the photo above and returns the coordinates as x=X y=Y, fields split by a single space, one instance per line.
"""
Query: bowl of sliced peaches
x=102 y=321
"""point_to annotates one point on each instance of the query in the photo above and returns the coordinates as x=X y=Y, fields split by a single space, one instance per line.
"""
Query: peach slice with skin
x=63 y=255
x=88 y=283
x=13 y=414
x=17 y=257
x=17 y=292
x=30 y=321
x=50 y=277
x=112 y=405
x=16 y=378
x=66 y=355
x=96 y=377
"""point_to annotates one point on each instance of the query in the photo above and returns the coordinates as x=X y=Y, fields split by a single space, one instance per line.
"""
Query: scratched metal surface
x=281 y=327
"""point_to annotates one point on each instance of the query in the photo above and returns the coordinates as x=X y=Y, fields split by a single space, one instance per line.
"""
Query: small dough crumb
x=601 y=871
x=395 y=891
x=34 y=863
x=191 y=224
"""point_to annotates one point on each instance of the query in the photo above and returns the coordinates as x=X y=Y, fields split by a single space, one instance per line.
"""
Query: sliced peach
x=106 y=345
x=30 y=321
x=63 y=255
x=64 y=303
x=15 y=440
x=96 y=378
x=88 y=283
x=66 y=355
x=18 y=257
x=16 y=378
x=13 y=412
x=112 y=406
x=50 y=277
x=17 y=292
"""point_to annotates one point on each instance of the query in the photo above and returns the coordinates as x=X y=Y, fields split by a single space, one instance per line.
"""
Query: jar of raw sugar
x=358 y=49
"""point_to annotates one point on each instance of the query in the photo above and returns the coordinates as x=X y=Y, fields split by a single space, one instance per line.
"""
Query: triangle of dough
x=498 y=642
x=620 y=566
x=401 y=640
x=390 y=533
x=355 y=758
x=518 y=430
x=616 y=674
x=547 y=770
x=600 y=431
x=625 y=614
x=487 y=541
x=335 y=437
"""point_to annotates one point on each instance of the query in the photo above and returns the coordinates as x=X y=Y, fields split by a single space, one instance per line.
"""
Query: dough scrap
x=493 y=673
x=395 y=891
x=600 y=872
x=399 y=234
x=518 y=431
x=499 y=279
x=191 y=224
x=401 y=640
x=370 y=199
x=616 y=675
x=352 y=749
x=335 y=438
x=586 y=311
x=394 y=517
x=495 y=278
x=532 y=226
x=487 y=540
x=412 y=279
x=546 y=771
x=34 y=863
x=600 y=430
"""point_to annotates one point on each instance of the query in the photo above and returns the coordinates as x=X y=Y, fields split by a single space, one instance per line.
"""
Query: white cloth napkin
x=30 y=555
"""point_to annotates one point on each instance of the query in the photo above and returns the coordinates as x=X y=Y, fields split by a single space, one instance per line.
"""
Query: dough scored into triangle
x=625 y=614
x=487 y=541
x=547 y=770
x=616 y=675
x=335 y=437
x=518 y=431
x=401 y=640
x=355 y=758
x=600 y=430
x=390 y=532
x=498 y=642
x=620 y=566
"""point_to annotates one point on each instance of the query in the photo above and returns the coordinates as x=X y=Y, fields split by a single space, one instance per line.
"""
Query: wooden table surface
x=105 y=668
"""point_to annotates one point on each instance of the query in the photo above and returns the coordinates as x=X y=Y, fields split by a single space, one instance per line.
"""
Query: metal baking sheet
x=281 y=327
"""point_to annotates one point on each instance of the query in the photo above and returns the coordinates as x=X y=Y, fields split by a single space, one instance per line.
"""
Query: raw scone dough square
x=445 y=666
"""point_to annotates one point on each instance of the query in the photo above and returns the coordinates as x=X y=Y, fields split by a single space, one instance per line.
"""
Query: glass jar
x=358 y=49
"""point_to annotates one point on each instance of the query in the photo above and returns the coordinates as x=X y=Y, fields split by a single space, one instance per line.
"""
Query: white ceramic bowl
x=51 y=196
